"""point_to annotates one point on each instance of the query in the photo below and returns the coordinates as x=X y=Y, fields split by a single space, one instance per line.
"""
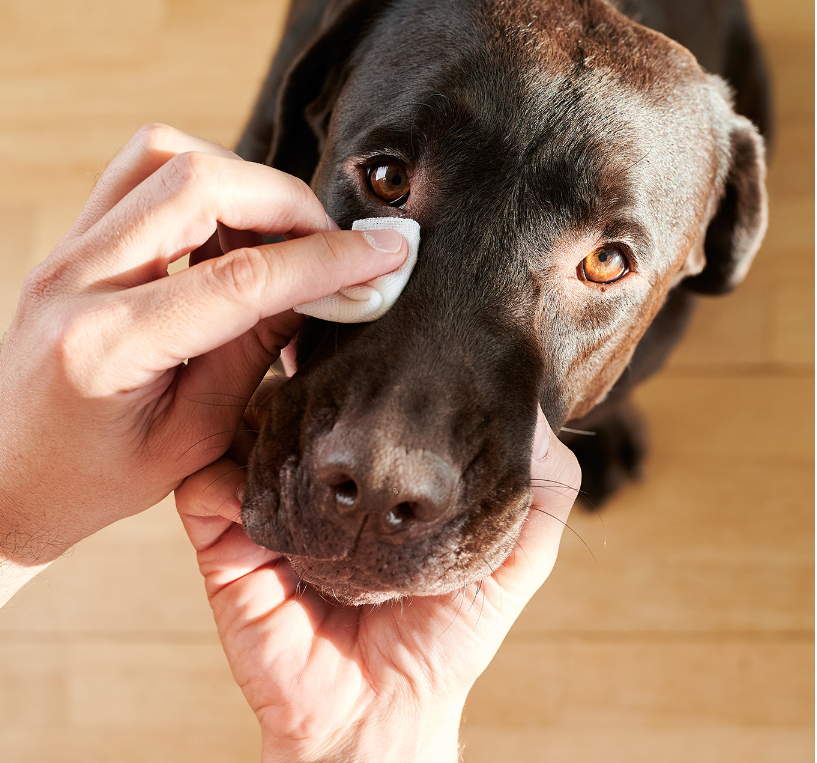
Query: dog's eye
x=389 y=181
x=605 y=265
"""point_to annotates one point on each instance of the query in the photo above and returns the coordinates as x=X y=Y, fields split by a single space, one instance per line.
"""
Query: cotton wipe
x=371 y=300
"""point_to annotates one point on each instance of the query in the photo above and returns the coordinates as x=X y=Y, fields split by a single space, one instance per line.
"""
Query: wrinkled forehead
x=584 y=114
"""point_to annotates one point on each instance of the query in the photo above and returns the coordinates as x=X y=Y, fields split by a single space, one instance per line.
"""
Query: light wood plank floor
x=688 y=638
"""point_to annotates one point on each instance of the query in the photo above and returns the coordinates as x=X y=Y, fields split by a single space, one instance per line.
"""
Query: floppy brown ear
x=288 y=127
x=736 y=231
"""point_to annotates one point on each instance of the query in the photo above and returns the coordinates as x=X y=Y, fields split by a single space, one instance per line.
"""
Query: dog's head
x=568 y=167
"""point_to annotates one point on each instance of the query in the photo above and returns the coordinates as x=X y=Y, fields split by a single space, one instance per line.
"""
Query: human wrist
x=395 y=736
x=23 y=552
x=28 y=539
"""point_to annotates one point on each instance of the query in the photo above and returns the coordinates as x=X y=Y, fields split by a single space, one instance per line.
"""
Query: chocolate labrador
x=577 y=175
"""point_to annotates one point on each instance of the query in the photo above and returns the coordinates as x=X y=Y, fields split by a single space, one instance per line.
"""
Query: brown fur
x=533 y=132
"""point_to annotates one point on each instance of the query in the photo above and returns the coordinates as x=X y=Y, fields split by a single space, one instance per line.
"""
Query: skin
x=100 y=417
x=385 y=683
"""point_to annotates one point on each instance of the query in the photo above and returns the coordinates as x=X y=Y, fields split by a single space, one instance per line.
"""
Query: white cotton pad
x=369 y=301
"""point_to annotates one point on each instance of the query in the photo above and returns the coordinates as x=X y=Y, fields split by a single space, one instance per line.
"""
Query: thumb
x=555 y=481
x=196 y=310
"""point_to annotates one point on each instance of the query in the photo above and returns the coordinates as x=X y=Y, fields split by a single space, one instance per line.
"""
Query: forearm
x=401 y=738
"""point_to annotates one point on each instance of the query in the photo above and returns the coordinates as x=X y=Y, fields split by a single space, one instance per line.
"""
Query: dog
x=580 y=171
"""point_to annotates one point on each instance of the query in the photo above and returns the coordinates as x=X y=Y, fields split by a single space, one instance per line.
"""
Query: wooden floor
x=689 y=637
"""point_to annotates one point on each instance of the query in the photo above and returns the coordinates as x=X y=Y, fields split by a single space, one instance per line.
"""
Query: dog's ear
x=288 y=127
x=739 y=223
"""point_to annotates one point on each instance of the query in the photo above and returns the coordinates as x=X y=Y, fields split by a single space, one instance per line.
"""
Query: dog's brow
x=631 y=232
x=392 y=138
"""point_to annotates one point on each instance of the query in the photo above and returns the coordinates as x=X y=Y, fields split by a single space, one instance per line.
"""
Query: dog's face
x=567 y=168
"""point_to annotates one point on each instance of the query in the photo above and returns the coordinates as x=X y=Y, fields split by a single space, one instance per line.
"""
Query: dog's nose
x=393 y=487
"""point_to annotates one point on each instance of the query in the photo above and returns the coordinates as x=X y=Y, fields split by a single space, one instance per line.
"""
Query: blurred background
x=685 y=633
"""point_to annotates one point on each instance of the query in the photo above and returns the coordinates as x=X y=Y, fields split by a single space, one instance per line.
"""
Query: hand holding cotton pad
x=371 y=300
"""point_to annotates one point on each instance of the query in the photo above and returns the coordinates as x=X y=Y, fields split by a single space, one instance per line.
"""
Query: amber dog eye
x=389 y=181
x=604 y=265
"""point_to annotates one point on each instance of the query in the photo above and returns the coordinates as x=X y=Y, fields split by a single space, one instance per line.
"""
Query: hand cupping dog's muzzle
x=371 y=300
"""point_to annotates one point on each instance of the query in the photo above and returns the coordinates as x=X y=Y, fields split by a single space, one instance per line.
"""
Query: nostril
x=403 y=492
x=343 y=486
x=398 y=515
x=346 y=493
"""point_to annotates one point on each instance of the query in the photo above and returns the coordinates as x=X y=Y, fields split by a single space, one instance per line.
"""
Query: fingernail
x=541 y=438
x=239 y=492
x=331 y=224
x=384 y=240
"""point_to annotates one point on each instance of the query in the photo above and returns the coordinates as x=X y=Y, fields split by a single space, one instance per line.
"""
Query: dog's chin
x=343 y=581
x=347 y=585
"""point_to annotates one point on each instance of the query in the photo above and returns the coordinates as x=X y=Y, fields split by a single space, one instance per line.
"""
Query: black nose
x=394 y=487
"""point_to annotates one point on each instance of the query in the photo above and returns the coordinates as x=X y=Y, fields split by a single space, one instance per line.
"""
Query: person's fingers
x=230 y=239
x=288 y=360
x=215 y=491
x=259 y=404
x=224 y=240
x=223 y=416
x=555 y=483
x=225 y=378
x=209 y=505
x=151 y=147
x=196 y=310
x=177 y=208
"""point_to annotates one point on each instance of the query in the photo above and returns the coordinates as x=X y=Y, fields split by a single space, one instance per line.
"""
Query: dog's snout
x=366 y=479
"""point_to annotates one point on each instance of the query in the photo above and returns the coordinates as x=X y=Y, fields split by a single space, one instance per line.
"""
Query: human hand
x=330 y=682
x=100 y=417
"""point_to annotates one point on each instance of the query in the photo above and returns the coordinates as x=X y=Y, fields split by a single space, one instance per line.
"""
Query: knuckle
x=188 y=170
x=154 y=137
x=297 y=200
x=270 y=340
x=332 y=258
x=71 y=345
x=43 y=283
x=302 y=194
x=36 y=287
x=332 y=252
x=86 y=343
x=243 y=273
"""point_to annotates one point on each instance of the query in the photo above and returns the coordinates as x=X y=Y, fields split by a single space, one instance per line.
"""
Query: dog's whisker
x=224 y=405
x=568 y=527
x=578 y=431
x=474 y=600
x=356 y=541
x=461 y=595
x=215 y=434
x=237 y=468
x=590 y=506
x=237 y=515
x=300 y=589
x=212 y=394
x=452 y=596
x=554 y=483
x=480 y=589
x=371 y=609
x=635 y=163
